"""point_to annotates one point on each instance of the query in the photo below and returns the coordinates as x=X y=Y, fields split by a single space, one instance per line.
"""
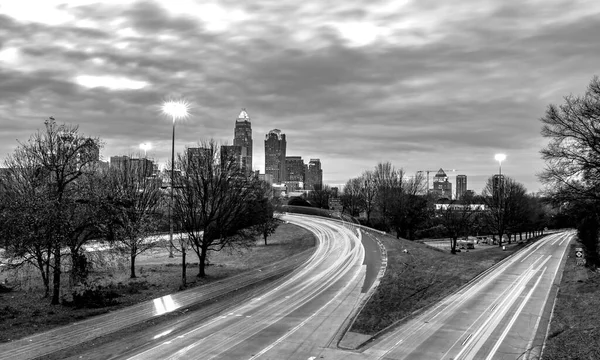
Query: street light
x=176 y=109
x=500 y=158
x=145 y=147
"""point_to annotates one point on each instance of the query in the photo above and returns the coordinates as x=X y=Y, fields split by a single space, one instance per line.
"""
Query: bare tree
x=457 y=217
x=135 y=200
x=505 y=201
x=573 y=152
x=352 y=199
x=213 y=202
x=369 y=193
x=60 y=156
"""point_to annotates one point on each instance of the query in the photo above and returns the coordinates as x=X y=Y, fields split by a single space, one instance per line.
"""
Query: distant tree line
x=387 y=199
x=572 y=173
x=56 y=199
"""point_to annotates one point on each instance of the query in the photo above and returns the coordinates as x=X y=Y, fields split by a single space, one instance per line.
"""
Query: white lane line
x=514 y=318
x=297 y=327
x=467 y=339
x=484 y=331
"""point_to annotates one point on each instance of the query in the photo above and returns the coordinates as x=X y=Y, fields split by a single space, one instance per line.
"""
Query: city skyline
x=353 y=85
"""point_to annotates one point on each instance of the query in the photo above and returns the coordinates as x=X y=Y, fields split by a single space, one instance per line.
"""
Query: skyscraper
x=242 y=137
x=441 y=186
x=275 y=146
x=295 y=173
x=497 y=184
x=294 y=167
x=461 y=186
x=231 y=151
x=314 y=175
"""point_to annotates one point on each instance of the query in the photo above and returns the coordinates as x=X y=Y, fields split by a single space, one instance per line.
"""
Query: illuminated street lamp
x=145 y=147
x=500 y=158
x=176 y=109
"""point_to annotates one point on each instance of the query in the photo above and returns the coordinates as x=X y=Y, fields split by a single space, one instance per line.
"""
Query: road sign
x=578 y=252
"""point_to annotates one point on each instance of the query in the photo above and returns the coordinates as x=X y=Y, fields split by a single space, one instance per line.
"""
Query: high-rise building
x=242 y=137
x=143 y=167
x=233 y=152
x=314 y=175
x=461 y=186
x=199 y=156
x=442 y=188
x=497 y=183
x=294 y=167
x=275 y=146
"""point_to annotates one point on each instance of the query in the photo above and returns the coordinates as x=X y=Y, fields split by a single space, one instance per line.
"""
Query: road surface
x=503 y=314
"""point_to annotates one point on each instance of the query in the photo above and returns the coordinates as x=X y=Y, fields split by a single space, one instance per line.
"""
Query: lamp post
x=176 y=109
x=500 y=158
x=145 y=147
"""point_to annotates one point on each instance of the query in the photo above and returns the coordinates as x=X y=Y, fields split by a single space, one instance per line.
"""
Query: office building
x=242 y=137
x=199 y=156
x=497 y=184
x=275 y=147
x=442 y=188
x=294 y=167
x=461 y=186
x=143 y=167
x=314 y=175
x=232 y=153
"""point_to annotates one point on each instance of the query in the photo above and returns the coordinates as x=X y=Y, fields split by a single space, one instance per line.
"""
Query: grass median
x=23 y=311
x=418 y=275
x=574 y=329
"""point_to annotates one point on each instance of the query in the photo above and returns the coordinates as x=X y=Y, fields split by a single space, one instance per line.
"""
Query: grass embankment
x=575 y=326
x=23 y=311
x=420 y=277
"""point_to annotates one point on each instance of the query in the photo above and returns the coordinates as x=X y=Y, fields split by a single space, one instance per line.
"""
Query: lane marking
x=467 y=339
x=514 y=318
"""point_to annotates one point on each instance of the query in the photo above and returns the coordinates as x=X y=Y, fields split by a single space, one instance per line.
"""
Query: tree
x=457 y=217
x=572 y=173
x=573 y=152
x=213 y=202
x=388 y=185
x=134 y=211
x=319 y=196
x=505 y=203
x=352 y=198
x=265 y=222
x=57 y=157
x=369 y=193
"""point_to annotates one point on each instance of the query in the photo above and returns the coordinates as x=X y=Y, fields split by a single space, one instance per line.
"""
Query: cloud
x=419 y=83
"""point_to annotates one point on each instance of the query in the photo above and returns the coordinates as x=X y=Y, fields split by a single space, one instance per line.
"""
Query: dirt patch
x=23 y=311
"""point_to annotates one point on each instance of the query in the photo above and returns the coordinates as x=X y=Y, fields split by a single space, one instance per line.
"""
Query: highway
x=502 y=314
x=301 y=315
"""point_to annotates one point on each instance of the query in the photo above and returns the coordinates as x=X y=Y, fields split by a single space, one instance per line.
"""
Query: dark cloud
x=449 y=86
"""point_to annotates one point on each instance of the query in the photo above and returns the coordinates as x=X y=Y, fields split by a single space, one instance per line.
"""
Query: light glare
x=177 y=109
x=145 y=146
x=500 y=157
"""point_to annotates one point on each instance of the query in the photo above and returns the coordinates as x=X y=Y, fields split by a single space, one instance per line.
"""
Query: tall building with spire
x=242 y=137
x=275 y=150
x=441 y=186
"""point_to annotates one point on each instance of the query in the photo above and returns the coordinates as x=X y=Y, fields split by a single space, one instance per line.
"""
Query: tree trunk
x=56 y=277
x=500 y=239
x=183 y=267
x=453 y=244
x=265 y=237
x=201 y=264
x=132 y=265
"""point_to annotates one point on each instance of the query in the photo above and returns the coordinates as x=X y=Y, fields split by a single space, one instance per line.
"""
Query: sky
x=423 y=84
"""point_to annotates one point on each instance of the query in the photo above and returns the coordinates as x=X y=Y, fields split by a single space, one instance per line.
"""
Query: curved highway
x=296 y=317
